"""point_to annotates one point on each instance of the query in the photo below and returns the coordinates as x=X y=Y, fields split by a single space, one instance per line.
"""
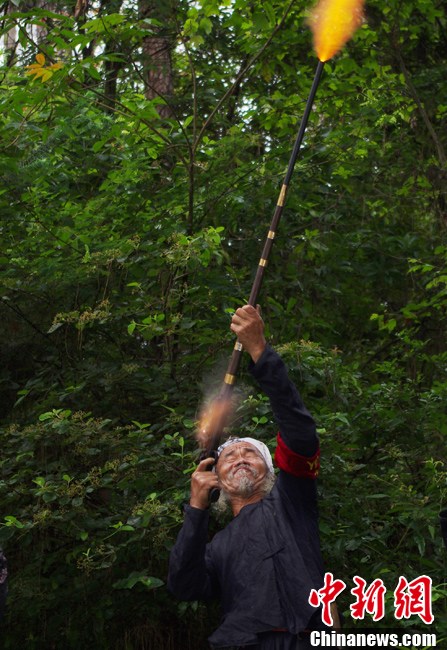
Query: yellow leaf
x=32 y=69
x=39 y=72
x=40 y=58
x=56 y=66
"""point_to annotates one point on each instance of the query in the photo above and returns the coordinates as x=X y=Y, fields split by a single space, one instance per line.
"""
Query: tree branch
x=242 y=73
x=437 y=142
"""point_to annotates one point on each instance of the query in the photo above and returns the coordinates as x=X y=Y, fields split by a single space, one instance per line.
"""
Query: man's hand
x=202 y=481
x=248 y=326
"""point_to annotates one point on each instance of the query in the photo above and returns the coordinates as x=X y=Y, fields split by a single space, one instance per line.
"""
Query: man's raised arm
x=296 y=425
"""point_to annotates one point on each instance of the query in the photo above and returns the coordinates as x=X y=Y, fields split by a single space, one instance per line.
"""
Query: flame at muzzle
x=333 y=23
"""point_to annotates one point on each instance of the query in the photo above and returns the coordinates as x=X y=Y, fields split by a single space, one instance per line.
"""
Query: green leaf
x=206 y=25
x=104 y=23
x=13 y=522
x=138 y=577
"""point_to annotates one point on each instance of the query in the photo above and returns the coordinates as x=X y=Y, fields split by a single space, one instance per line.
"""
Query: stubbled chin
x=243 y=483
x=248 y=470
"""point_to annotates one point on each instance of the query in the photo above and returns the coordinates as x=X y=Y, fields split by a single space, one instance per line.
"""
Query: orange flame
x=333 y=22
x=214 y=417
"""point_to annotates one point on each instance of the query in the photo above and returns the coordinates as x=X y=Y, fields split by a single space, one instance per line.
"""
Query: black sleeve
x=190 y=575
x=3 y=583
x=296 y=425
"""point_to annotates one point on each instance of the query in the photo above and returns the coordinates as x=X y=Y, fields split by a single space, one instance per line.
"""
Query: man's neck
x=237 y=502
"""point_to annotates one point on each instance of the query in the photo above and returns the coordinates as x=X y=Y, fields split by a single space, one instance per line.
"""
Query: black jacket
x=3 y=582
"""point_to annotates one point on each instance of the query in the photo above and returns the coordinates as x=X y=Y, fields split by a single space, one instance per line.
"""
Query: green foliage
x=128 y=236
x=92 y=520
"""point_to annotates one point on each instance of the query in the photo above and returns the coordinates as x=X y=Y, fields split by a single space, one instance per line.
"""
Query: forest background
x=142 y=148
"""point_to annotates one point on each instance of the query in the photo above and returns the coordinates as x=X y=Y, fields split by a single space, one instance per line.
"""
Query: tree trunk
x=41 y=31
x=10 y=40
x=157 y=65
x=111 y=46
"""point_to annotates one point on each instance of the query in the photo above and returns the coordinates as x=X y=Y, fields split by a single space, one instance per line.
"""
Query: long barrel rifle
x=333 y=22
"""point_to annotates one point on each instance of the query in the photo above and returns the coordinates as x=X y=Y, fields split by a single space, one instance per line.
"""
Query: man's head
x=245 y=469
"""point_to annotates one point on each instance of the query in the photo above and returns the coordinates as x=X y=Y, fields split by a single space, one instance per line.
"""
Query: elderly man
x=264 y=563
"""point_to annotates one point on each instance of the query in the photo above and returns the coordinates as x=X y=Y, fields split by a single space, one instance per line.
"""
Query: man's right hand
x=202 y=481
x=248 y=326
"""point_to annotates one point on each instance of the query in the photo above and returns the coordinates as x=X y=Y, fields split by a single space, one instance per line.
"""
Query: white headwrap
x=260 y=446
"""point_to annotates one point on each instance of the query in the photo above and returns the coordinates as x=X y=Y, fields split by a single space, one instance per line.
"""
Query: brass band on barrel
x=230 y=379
x=238 y=346
x=282 y=195
x=271 y=234
x=262 y=262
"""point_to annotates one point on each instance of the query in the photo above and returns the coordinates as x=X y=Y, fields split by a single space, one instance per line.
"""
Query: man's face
x=241 y=469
